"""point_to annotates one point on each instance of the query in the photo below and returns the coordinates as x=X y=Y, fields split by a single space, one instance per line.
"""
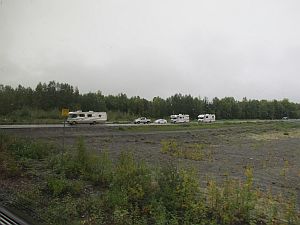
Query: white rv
x=89 y=117
x=180 y=118
x=207 y=118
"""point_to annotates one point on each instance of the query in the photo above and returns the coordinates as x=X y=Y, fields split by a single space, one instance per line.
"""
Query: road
x=29 y=126
x=26 y=126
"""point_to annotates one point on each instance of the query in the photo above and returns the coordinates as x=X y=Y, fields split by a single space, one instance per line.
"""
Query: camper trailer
x=180 y=118
x=206 y=118
x=89 y=117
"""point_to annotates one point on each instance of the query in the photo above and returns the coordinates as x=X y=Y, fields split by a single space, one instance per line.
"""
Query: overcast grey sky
x=154 y=47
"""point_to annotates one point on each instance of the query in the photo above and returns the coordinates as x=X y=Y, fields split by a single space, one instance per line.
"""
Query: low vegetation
x=75 y=187
x=196 y=151
x=33 y=116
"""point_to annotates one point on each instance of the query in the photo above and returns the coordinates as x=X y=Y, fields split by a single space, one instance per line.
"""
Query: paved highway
x=26 y=126
x=29 y=126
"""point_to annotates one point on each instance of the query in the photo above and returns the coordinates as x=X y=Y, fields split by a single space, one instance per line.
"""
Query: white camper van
x=207 y=118
x=89 y=117
x=180 y=118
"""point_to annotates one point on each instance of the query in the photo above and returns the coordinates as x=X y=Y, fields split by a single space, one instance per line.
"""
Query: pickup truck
x=143 y=120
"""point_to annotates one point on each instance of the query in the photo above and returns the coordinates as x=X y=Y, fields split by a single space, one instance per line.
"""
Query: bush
x=69 y=164
x=100 y=170
x=61 y=186
x=130 y=191
x=180 y=195
x=24 y=148
x=65 y=164
x=191 y=151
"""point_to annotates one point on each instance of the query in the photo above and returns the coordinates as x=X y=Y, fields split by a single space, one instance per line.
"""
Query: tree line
x=54 y=95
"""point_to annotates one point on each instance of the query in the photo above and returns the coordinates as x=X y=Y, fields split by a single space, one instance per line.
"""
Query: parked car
x=143 y=120
x=160 y=121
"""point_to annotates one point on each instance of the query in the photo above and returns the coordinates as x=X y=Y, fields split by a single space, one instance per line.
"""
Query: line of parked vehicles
x=180 y=118
x=91 y=117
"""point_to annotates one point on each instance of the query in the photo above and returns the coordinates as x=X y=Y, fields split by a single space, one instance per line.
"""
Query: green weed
x=196 y=151
x=59 y=186
x=8 y=166
x=99 y=170
x=27 y=149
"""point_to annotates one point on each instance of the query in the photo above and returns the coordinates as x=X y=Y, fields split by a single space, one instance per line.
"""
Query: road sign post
x=64 y=113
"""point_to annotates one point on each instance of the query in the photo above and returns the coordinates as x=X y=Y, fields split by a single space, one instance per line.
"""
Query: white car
x=160 y=121
x=143 y=120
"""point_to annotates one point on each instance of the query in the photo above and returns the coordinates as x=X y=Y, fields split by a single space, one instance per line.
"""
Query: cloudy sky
x=154 y=47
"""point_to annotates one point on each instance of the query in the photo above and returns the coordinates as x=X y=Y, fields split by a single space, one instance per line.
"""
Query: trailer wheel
x=73 y=123
x=138 y=122
x=94 y=122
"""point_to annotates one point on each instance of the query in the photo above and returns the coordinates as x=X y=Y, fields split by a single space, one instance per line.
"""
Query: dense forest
x=54 y=96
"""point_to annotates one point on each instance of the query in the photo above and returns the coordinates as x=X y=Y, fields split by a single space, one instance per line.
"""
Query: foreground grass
x=74 y=187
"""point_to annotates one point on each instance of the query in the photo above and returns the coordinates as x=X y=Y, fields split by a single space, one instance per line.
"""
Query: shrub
x=100 y=170
x=27 y=149
x=169 y=146
x=65 y=164
x=130 y=192
x=180 y=195
x=191 y=151
x=61 y=186
x=81 y=155
x=69 y=164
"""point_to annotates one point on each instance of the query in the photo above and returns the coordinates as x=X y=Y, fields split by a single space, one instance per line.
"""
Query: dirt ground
x=273 y=153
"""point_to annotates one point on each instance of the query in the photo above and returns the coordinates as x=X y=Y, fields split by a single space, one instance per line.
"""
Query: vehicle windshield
x=72 y=115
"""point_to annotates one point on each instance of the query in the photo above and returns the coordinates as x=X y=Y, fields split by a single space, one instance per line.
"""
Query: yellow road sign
x=65 y=112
